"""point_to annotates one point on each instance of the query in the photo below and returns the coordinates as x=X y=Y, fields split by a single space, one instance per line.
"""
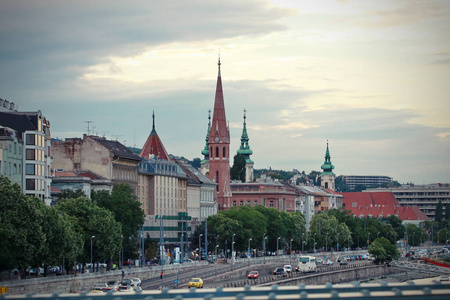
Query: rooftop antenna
x=117 y=136
x=88 y=122
x=104 y=133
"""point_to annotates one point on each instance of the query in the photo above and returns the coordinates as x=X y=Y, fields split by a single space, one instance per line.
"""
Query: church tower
x=219 y=149
x=244 y=149
x=204 y=164
x=327 y=176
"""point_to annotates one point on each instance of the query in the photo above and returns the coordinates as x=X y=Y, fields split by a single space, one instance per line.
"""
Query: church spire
x=153 y=132
x=244 y=149
x=327 y=166
x=154 y=146
x=205 y=150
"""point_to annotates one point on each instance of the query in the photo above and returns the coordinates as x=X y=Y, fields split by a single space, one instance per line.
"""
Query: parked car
x=328 y=262
x=101 y=286
x=444 y=278
x=343 y=261
x=195 y=282
x=253 y=275
x=319 y=261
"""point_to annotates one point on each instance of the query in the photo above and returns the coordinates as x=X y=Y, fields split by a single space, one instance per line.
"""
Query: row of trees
x=34 y=234
x=332 y=229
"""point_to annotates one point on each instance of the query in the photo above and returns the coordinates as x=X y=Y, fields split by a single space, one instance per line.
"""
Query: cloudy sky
x=369 y=76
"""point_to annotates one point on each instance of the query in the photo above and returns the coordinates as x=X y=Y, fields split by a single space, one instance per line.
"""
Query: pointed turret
x=245 y=150
x=219 y=146
x=327 y=176
x=204 y=164
x=153 y=146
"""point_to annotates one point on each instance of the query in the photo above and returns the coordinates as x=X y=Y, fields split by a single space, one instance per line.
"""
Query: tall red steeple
x=153 y=145
x=219 y=149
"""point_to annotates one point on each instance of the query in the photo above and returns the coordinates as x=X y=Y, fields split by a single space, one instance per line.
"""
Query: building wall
x=66 y=155
x=35 y=164
x=353 y=180
x=425 y=197
x=11 y=159
x=193 y=201
x=208 y=205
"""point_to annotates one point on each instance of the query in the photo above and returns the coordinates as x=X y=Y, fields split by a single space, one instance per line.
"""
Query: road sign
x=175 y=281
x=3 y=290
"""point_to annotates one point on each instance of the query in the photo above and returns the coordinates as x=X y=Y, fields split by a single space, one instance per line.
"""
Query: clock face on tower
x=216 y=139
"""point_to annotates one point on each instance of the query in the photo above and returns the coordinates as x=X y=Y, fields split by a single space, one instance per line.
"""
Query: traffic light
x=161 y=275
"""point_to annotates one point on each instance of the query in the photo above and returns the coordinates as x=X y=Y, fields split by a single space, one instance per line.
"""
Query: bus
x=306 y=264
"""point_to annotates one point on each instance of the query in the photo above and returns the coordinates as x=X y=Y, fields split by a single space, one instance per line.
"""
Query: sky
x=370 y=77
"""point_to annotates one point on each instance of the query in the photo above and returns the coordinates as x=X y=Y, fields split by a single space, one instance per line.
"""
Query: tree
x=126 y=210
x=383 y=250
x=90 y=220
x=237 y=171
x=21 y=236
x=196 y=163
x=447 y=212
x=438 y=217
x=442 y=236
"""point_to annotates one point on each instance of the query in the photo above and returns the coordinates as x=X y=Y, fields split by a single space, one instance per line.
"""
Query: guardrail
x=412 y=291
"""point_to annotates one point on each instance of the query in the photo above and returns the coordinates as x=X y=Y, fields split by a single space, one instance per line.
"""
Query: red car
x=253 y=275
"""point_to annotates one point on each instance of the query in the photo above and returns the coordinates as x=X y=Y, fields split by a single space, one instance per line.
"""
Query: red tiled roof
x=65 y=174
x=154 y=146
x=55 y=190
x=90 y=175
x=380 y=204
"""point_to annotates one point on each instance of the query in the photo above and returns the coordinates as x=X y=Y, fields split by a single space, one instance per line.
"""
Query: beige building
x=163 y=193
x=109 y=159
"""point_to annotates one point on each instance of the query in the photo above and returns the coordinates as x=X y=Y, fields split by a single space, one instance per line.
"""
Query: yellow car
x=195 y=282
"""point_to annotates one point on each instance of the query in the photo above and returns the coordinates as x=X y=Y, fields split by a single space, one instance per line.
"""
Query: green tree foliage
x=21 y=235
x=442 y=236
x=439 y=213
x=447 y=212
x=196 y=163
x=415 y=234
x=237 y=171
x=383 y=250
x=328 y=232
x=126 y=210
x=340 y=185
x=90 y=220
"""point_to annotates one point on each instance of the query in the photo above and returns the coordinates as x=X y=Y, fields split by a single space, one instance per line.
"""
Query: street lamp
x=249 y=240
x=337 y=246
x=378 y=234
x=368 y=239
x=264 y=247
x=277 y=245
x=303 y=241
x=92 y=266
x=314 y=241
x=199 y=246
x=290 y=251
x=326 y=244
x=232 y=249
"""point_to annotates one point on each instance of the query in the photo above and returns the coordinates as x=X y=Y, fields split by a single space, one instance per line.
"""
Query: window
x=30 y=139
x=224 y=152
x=242 y=203
x=217 y=151
x=31 y=184
x=211 y=151
x=31 y=154
x=15 y=148
x=14 y=169
x=271 y=204
x=30 y=169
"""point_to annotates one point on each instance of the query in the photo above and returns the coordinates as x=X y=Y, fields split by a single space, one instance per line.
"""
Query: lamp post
x=290 y=251
x=277 y=245
x=326 y=244
x=92 y=266
x=264 y=247
x=199 y=246
x=232 y=249
x=215 y=262
x=314 y=241
x=413 y=239
x=303 y=241
x=142 y=249
x=337 y=245
x=368 y=239
x=378 y=234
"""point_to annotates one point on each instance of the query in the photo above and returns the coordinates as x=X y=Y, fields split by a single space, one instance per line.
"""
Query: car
x=125 y=288
x=129 y=282
x=328 y=262
x=101 y=286
x=280 y=272
x=288 y=268
x=187 y=260
x=343 y=261
x=443 y=278
x=137 y=281
x=137 y=288
x=195 y=282
x=253 y=275
x=114 y=285
x=319 y=261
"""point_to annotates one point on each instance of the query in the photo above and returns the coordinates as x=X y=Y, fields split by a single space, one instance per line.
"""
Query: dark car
x=279 y=272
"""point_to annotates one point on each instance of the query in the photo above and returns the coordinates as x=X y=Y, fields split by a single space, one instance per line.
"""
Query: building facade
x=369 y=181
x=11 y=155
x=34 y=131
x=425 y=197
